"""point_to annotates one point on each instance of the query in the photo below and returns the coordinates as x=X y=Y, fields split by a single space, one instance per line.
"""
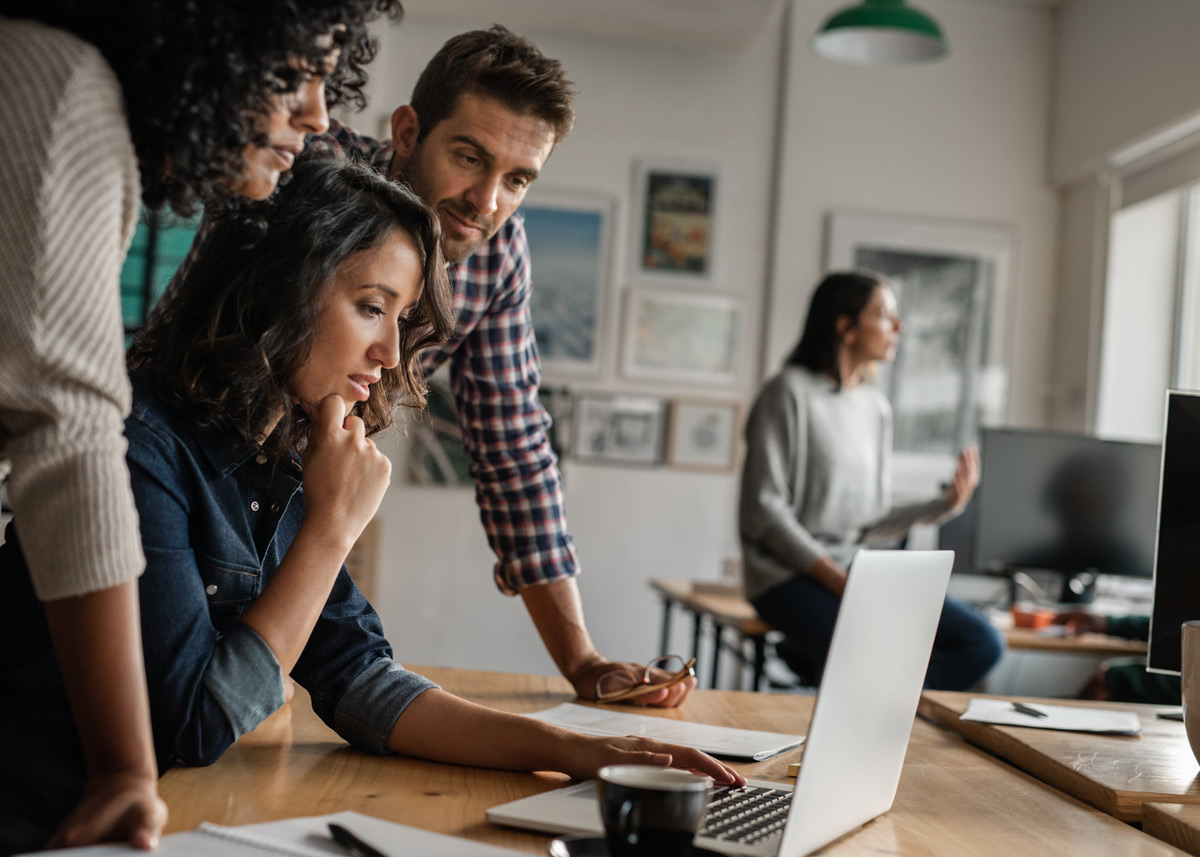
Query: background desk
x=1114 y=773
x=953 y=800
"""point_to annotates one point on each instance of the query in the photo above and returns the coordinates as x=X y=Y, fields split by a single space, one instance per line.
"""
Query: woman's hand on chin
x=345 y=475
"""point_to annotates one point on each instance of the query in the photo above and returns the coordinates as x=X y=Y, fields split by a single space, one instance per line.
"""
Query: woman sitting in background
x=253 y=481
x=816 y=484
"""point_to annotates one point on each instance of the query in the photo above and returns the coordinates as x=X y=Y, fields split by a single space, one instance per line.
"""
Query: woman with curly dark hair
x=252 y=483
x=175 y=102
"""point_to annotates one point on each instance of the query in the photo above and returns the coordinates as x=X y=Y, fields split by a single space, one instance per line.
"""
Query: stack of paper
x=715 y=740
x=1061 y=717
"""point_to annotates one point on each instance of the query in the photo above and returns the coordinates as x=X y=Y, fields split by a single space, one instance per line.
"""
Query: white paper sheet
x=303 y=836
x=715 y=740
x=1060 y=717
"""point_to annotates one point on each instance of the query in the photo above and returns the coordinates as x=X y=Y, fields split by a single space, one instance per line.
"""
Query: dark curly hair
x=242 y=322
x=198 y=75
x=496 y=63
x=841 y=293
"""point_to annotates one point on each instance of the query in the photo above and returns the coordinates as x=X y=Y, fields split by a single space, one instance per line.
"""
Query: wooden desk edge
x=1174 y=824
x=1053 y=773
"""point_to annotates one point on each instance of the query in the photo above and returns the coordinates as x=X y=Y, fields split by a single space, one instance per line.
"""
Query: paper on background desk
x=715 y=740
x=1061 y=717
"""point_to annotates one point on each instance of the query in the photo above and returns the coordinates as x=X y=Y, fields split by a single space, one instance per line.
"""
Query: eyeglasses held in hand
x=663 y=671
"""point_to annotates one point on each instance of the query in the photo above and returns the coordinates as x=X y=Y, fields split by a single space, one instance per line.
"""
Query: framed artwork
x=675 y=216
x=703 y=435
x=619 y=429
x=950 y=375
x=682 y=336
x=569 y=243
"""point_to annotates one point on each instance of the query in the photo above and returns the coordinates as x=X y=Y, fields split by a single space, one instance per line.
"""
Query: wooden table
x=718 y=612
x=1117 y=774
x=954 y=799
x=1178 y=824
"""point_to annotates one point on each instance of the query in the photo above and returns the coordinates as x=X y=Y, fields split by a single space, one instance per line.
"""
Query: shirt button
x=254 y=505
x=274 y=507
x=260 y=458
x=211 y=589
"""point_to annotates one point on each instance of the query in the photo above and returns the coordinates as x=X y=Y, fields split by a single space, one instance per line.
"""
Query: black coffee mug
x=651 y=811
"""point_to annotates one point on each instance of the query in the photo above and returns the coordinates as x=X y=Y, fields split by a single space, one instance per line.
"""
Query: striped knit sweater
x=69 y=196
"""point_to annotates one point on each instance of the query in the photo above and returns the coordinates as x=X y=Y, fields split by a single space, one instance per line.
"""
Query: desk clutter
x=1060 y=717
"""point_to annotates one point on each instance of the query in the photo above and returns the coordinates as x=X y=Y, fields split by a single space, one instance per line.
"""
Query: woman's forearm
x=97 y=638
x=284 y=615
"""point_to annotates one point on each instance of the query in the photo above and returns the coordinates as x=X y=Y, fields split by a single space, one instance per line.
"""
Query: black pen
x=1026 y=709
x=352 y=843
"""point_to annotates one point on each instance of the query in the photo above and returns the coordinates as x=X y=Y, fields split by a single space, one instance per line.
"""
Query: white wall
x=436 y=596
x=1125 y=71
x=961 y=139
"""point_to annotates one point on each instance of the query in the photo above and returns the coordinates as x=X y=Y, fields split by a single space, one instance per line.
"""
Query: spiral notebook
x=301 y=837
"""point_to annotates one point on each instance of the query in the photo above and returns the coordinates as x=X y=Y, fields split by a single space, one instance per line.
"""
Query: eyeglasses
x=663 y=671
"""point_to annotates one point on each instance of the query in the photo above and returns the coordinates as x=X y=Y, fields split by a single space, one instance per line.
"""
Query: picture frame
x=674 y=222
x=570 y=246
x=616 y=428
x=682 y=336
x=703 y=434
x=952 y=281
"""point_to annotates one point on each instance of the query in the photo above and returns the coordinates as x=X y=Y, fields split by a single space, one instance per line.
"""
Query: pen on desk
x=352 y=843
x=1027 y=709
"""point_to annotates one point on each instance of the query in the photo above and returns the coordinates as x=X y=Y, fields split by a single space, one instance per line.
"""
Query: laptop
x=857 y=738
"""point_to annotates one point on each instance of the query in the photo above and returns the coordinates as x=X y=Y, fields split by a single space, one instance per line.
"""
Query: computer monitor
x=1071 y=504
x=1177 y=559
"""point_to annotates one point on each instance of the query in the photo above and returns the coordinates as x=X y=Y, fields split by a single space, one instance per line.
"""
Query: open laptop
x=856 y=740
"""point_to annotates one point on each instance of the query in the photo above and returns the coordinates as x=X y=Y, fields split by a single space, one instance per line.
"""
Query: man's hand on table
x=1079 y=622
x=584 y=681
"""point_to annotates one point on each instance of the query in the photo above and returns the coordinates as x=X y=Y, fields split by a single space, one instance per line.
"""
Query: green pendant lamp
x=880 y=32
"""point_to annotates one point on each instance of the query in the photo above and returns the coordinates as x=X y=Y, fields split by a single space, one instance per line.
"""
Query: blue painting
x=568 y=245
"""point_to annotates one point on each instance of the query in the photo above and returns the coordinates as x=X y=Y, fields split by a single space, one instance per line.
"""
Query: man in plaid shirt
x=485 y=115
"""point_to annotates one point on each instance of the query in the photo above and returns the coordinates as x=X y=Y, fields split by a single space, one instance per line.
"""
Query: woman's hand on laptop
x=588 y=754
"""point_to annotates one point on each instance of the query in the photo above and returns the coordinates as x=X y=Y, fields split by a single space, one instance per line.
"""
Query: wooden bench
x=720 y=611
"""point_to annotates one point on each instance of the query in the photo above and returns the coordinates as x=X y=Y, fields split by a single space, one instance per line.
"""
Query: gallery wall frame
x=953 y=284
x=618 y=428
x=674 y=222
x=675 y=335
x=704 y=435
x=570 y=244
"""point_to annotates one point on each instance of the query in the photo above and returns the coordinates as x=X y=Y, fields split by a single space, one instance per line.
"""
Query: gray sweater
x=817 y=478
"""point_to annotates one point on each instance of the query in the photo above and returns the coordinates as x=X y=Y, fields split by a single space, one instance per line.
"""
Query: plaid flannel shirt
x=494 y=375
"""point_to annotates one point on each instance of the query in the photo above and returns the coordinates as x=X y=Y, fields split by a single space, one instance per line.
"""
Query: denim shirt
x=217 y=520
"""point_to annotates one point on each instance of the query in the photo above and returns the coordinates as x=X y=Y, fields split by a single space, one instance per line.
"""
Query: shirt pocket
x=229 y=587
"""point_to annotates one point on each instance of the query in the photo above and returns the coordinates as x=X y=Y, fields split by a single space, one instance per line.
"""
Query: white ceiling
x=712 y=24
x=708 y=24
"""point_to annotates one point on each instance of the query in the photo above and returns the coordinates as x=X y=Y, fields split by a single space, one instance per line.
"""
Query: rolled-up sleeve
x=245 y=678
x=374 y=702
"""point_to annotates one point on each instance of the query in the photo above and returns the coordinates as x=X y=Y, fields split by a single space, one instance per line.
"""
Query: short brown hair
x=495 y=63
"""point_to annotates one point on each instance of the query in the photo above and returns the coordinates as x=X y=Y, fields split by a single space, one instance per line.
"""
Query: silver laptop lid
x=869 y=694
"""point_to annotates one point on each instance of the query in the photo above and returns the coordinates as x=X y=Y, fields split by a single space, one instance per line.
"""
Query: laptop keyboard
x=747 y=815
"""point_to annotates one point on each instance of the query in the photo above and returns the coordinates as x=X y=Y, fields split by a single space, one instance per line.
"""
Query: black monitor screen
x=1177 y=563
x=1066 y=503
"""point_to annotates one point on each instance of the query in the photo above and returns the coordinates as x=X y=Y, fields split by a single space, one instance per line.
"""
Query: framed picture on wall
x=569 y=243
x=619 y=429
x=703 y=435
x=682 y=336
x=950 y=375
x=674 y=221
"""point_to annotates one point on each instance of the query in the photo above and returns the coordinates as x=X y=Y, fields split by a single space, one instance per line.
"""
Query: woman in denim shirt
x=252 y=483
